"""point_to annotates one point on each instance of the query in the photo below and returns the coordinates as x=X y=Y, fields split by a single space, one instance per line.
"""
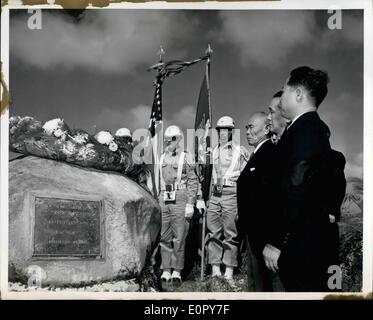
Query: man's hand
x=331 y=218
x=201 y=207
x=271 y=255
x=189 y=210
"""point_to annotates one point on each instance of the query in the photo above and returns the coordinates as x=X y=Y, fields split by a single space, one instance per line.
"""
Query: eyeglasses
x=171 y=139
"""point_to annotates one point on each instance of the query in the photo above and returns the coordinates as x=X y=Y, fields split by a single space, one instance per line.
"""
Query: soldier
x=178 y=193
x=124 y=136
x=228 y=162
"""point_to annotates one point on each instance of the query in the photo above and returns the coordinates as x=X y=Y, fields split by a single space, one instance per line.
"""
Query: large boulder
x=76 y=225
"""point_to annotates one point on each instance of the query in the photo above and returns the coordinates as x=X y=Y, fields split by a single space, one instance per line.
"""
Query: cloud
x=113 y=119
x=185 y=117
x=353 y=29
x=105 y=41
x=355 y=167
x=351 y=34
x=341 y=110
x=138 y=118
x=266 y=38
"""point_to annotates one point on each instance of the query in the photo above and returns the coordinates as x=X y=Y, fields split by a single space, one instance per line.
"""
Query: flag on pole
x=164 y=69
x=173 y=67
x=156 y=134
x=202 y=125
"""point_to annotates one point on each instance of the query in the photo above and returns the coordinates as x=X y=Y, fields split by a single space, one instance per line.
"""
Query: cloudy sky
x=90 y=69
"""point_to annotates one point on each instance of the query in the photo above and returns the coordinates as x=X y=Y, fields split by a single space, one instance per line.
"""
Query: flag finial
x=160 y=52
x=208 y=50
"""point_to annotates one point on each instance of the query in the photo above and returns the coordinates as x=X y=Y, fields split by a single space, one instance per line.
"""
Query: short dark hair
x=314 y=81
x=278 y=94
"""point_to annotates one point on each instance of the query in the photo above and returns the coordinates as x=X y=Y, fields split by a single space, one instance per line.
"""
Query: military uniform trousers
x=221 y=221
x=174 y=231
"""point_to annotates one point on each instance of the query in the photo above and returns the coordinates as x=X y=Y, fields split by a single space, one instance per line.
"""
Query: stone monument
x=78 y=225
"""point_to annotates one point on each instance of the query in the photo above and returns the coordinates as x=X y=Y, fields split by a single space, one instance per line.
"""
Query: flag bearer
x=229 y=160
x=178 y=193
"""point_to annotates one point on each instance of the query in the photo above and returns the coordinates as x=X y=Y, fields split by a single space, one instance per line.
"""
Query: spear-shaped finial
x=160 y=52
x=159 y=64
x=208 y=50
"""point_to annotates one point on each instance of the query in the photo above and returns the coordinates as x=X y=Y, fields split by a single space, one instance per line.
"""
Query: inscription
x=65 y=227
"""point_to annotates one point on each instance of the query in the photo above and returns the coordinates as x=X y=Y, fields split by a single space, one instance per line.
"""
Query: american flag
x=156 y=133
x=156 y=115
x=164 y=70
x=173 y=67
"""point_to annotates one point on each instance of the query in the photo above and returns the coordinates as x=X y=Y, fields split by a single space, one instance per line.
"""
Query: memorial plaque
x=65 y=228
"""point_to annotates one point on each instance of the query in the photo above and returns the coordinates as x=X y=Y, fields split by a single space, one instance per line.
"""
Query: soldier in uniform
x=124 y=135
x=228 y=162
x=178 y=194
x=123 y=139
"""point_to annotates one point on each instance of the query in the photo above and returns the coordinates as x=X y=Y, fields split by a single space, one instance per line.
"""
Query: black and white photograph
x=179 y=150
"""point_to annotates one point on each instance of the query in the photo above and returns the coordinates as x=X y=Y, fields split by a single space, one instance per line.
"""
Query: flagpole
x=164 y=70
x=208 y=53
x=156 y=145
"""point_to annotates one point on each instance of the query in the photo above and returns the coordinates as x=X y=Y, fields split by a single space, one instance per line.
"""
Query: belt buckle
x=169 y=196
x=170 y=193
x=218 y=190
x=170 y=187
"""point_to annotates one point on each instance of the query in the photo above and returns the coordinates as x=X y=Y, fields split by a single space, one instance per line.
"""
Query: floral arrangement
x=56 y=140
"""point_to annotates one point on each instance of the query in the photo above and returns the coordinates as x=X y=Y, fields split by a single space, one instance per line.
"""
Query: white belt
x=229 y=183
x=176 y=186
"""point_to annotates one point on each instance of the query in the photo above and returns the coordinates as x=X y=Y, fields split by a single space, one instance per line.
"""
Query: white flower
x=14 y=120
x=26 y=119
x=81 y=138
x=113 y=146
x=12 y=130
x=58 y=133
x=52 y=125
x=68 y=148
x=104 y=137
x=86 y=152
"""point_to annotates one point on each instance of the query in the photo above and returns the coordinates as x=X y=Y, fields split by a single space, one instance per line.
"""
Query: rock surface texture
x=83 y=245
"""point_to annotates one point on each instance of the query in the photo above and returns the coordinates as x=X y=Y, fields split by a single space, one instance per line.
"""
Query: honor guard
x=123 y=136
x=178 y=193
x=228 y=162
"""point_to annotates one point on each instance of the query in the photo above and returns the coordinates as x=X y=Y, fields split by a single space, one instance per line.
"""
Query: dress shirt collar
x=259 y=145
x=296 y=118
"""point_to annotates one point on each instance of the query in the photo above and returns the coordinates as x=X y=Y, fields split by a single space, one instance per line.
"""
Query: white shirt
x=223 y=160
x=259 y=145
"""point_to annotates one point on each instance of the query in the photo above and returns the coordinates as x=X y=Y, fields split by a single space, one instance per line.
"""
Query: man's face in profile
x=256 y=130
x=276 y=120
x=287 y=101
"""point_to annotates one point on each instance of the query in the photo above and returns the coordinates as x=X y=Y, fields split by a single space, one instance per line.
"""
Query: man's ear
x=299 y=94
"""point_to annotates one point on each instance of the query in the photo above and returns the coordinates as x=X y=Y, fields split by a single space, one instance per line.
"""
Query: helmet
x=173 y=131
x=123 y=132
x=225 y=122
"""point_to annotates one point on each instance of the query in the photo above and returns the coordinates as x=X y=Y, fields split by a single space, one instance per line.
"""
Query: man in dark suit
x=254 y=207
x=303 y=244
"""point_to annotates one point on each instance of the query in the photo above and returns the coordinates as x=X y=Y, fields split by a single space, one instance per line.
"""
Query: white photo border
x=366 y=5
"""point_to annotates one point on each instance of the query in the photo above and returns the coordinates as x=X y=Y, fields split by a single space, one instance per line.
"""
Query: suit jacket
x=254 y=187
x=304 y=233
